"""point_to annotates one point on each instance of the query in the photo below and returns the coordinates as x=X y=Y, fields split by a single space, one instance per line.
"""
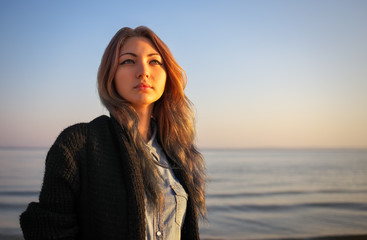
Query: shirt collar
x=154 y=134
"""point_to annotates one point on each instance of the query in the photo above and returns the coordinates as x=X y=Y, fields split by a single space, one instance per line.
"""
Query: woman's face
x=141 y=76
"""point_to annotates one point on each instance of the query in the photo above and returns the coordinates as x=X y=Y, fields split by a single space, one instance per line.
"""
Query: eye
x=156 y=62
x=127 y=61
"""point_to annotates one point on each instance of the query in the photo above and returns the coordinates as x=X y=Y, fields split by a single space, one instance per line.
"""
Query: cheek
x=162 y=82
x=163 y=77
x=120 y=82
x=122 y=77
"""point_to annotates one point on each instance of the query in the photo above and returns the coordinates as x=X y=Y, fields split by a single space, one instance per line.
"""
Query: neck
x=144 y=115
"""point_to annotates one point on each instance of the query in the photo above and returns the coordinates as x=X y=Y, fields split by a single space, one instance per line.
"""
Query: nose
x=142 y=71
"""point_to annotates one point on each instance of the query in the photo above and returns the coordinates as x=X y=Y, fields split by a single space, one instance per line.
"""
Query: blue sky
x=260 y=73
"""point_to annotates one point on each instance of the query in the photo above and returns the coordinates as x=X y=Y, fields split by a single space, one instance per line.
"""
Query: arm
x=55 y=216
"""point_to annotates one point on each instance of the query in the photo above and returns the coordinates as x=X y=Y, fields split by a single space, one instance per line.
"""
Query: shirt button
x=159 y=233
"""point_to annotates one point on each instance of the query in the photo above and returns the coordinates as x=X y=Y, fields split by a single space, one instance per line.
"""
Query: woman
x=136 y=174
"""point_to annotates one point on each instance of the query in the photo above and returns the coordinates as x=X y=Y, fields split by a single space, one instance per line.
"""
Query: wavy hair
x=173 y=113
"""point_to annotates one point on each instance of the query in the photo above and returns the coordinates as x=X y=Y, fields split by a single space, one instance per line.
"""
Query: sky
x=261 y=74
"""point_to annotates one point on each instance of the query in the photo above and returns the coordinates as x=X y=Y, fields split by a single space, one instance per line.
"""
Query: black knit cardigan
x=93 y=188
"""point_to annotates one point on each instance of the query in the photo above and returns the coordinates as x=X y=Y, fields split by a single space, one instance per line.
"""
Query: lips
x=143 y=86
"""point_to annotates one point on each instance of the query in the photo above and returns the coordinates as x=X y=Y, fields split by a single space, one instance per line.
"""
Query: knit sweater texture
x=93 y=188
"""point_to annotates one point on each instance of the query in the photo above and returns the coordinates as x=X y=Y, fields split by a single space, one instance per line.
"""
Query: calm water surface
x=252 y=194
x=258 y=194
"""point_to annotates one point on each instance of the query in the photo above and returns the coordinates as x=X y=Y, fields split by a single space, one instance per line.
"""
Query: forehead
x=138 y=45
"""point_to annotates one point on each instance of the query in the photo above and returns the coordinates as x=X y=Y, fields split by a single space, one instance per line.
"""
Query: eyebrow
x=133 y=54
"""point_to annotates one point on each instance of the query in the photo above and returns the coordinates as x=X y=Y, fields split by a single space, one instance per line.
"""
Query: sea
x=251 y=193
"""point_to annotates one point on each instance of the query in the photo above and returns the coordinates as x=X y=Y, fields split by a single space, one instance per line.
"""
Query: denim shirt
x=167 y=224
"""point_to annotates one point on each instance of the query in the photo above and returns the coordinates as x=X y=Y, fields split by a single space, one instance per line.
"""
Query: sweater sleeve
x=55 y=215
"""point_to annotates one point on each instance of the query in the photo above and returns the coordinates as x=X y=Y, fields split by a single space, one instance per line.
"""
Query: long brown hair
x=173 y=113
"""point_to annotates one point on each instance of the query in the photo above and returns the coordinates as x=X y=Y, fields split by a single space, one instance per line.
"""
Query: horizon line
x=4 y=147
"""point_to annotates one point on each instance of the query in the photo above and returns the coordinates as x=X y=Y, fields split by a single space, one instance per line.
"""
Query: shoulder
x=76 y=136
x=72 y=145
x=82 y=129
